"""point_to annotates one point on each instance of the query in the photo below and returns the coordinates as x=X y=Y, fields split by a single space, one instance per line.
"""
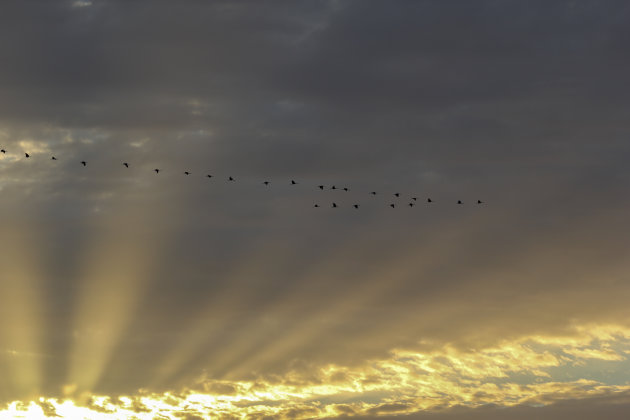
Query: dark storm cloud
x=522 y=104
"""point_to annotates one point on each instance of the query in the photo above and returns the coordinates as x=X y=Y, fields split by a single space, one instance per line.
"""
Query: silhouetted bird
x=345 y=188
x=414 y=198
x=459 y=202
x=83 y=163
x=27 y=155
x=429 y=200
x=157 y=171
x=186 y=172
x=209 y=176
x=53 y=158
x=266 y=182
x=410 y=204
x=397 y=194
x=356 y=206
x=333 y=188
x=334 y=204
x=479 y=202
x=316 y=205
x=293 y=182
x=392 y=205
x=373 y=193
x=126 y=164
x=3 y=151
x=321 y=187
x=230 y=179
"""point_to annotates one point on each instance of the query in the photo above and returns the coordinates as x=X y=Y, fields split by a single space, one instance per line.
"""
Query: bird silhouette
x=429 y=200
x=397 y=194
x=83 y=163
x=334 y=204
x=209 y=176
x=356 y=206
x=53 y=158
x=345 y=188
x=126 y=164
x=293 y=182
x=373 y=193
x=316 y=205
x=459 y=202
x=3 y=151
x=186 y=172
x=266 y=182
x=410 y=204
x=392 y=205
x=414 y=198
x=321 y=187
x=230 y=179
x=157 y=171
x=27 y=155
x=479 y=202
x=333 y=188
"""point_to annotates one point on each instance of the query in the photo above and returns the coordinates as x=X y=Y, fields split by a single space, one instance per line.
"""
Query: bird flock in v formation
x=411 y=203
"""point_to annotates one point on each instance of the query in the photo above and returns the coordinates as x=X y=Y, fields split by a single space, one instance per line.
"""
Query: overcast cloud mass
x=124 y=292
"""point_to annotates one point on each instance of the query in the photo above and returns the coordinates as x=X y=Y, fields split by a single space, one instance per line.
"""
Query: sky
x=126 y=293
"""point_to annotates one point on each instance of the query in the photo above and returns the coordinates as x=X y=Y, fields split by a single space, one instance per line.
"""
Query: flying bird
x=345 y=188
x=397 y=194
x=414 y=198
x=293 y=182
x=126 y=164
x=333 y=188
x=410 y=204
x=83 y=163
x=392 y=205
x=186 y=172
x=3 y=151
x=459 y=202
x=321 y=187
x=230 y=179
x=157 y=171
x=53 y=158
x=356 y=206
x=27 y=155
x=373 y=193
x=316 y=205
x=479 y=202
x=266 y=182
x=334 y=204
x=429 y=200
x=209 y=176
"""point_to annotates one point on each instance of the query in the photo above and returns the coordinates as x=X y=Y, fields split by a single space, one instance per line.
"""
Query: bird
x=157 y=171
x=373 y=193
x=3 y=151
x=479 y=202
x=459 y=202
x=410 y=204
x=414 y=198
x=293 y=182
x=186 y=172
x=316 y=205
x=53 y=158
x=230 y=179
x=27 y=155
x=209 y=176
x=266 y=182
x=397 y=194
x=321 y=187
x=429 y=200
x=356 y=206
x=333 y=188
x=83 y=163
x=334 y=204
x=345 y=188
x=392 y=205
x=126 y=164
